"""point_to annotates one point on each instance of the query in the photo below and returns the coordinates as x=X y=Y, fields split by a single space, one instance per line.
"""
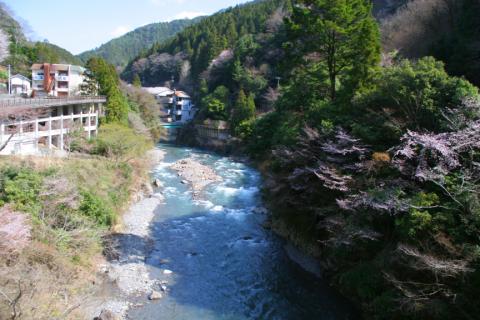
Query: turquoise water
x=225 y=265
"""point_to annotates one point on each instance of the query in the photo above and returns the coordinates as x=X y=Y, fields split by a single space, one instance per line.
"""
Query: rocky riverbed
x=196 y=174
x=125 y=273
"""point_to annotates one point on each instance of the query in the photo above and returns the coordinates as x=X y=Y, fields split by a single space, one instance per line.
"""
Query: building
x=180 y=108
x=41 y=126
x=57 y=80
x=20 y=85
x=177 y=105
x=161 y=94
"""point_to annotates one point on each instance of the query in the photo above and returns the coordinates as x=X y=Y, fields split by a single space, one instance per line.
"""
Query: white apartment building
x=57 y=80
x=42 y=126
x=180 y=108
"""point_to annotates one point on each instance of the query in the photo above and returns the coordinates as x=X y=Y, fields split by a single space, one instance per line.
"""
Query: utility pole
x=173 y=82
x=278 y=81
x=9 y=80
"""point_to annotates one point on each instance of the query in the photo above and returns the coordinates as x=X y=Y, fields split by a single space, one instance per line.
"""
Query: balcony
x=62 y=89
x=62 y=78
x=38 y=77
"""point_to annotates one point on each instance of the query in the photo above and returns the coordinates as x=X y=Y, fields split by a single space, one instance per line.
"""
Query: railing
x=50 y=102
x=62 y=78
x=207 y=132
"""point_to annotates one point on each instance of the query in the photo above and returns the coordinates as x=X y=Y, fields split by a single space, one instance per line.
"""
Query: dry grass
x=53 y=269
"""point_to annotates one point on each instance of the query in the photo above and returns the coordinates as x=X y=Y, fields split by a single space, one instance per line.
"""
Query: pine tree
x=343 y=33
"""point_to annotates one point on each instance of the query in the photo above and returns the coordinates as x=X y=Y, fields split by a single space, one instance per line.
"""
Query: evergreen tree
x=108 y=83
x=243 y=110
x=136 y=81
x=344 y=36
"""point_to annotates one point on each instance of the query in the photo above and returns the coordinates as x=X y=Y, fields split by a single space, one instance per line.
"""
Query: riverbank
x=55 y=216
x=124 y=273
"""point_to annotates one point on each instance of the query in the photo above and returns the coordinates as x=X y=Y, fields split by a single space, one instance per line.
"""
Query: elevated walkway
x=49 y=102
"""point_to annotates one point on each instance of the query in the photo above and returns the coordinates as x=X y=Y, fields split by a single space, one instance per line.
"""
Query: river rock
x=166 y=271
x=107 y=315
x=155 y=295
x=157 y=183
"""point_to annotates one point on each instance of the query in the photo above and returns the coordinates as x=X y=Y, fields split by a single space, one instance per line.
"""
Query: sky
x=80 y=25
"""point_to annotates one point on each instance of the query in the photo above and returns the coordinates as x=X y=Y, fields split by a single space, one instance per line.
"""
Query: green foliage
x=21 y=187
x=148 y=111
x=215 y=105
x=3 y=75
x=205 y=40
x=94 y=207
x=247 y=80
x=120 y=143
x=108 y=84
x=136 y=81
x=345 y=37
x=418 y=220
x=409 y=95
x=243 y=112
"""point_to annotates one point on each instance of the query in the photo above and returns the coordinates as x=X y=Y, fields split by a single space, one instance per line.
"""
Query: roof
x=21 y=77
x=162 y=91
x=58 y=67
x=181 y=94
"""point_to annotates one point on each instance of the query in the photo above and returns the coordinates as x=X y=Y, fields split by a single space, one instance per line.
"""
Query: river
x=224 y=264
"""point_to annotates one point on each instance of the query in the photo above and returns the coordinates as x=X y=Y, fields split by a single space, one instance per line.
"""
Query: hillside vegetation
x=121 y=50
x=370 y=159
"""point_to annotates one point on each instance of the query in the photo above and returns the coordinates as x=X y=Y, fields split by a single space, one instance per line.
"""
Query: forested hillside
x=371 y=159
x=121 y=50
x=191 y=51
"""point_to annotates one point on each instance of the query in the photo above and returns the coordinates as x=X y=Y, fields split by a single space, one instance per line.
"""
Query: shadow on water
x=224 y=264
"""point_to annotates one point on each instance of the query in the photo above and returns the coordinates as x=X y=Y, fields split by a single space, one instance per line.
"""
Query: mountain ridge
x=119 y=51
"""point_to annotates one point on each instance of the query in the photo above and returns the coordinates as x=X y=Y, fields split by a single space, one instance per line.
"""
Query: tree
x=108 y=82
x=244 y=109
x=136 y=81
x=339 y=35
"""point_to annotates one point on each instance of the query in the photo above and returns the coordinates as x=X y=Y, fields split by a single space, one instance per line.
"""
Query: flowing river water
x=224 y=264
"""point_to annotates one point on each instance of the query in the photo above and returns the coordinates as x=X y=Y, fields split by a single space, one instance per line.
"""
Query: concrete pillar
x=50 y=132
x=35 y=124
x=2 y=131
x=61 y=132
x=89 y=124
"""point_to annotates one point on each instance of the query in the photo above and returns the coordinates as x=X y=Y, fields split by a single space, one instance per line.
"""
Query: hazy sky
x=79 y=25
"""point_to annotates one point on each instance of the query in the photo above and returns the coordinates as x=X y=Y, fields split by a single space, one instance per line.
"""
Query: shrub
x=120 y=143
x=21 y=187
x=409 y=95
x=94 y=207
